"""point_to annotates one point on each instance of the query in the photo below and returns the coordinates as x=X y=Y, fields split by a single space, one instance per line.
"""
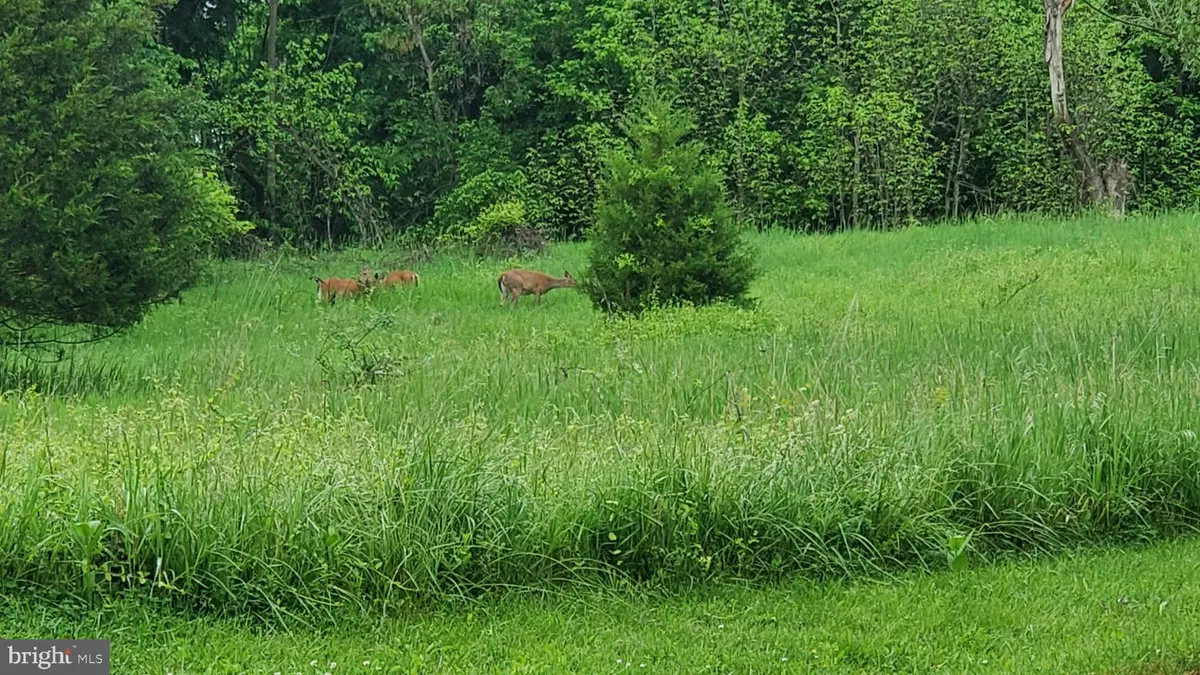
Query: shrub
x=491 y=213
x=106 y=206
x=663 y=233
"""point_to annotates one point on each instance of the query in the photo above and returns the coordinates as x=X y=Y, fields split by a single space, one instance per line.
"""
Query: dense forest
x=355 y=120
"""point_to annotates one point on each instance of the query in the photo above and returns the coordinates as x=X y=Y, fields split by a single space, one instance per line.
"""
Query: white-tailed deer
x=334 y=287
x=397 y=278
x=513 y=283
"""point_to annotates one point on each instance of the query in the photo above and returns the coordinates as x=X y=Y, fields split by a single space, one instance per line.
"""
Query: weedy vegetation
x=912 y=399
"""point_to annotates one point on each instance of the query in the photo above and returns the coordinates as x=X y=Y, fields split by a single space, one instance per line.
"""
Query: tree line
x=361 y=118
x=138 y=135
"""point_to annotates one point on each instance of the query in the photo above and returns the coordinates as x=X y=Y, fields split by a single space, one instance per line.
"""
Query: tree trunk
x=1107 y=183
x=416 y=29
x=273 y=64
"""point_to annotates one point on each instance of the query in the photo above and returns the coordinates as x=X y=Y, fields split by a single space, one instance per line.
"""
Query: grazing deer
x=333 y=287
x=398 y=277
x=515 y=282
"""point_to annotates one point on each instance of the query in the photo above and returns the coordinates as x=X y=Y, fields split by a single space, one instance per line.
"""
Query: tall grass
x=1031 y=383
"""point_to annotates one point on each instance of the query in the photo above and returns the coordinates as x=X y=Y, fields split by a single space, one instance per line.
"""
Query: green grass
x=1130 y=612
x=1030 y=383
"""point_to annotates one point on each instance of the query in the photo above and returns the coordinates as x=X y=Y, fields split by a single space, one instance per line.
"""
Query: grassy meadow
x=1029 y=384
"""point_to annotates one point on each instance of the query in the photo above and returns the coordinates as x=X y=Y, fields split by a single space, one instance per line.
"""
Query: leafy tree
x=663 y=233
x=106 y=205
x=390 y=115
x=291 y=139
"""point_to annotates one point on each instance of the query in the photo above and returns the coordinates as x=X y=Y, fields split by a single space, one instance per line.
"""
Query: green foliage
x=1117 y=611
x=878 y=114
x=752 y=157
x=106 y=205
x=462 y=207
x=494 y=211
x=252 y=450
x=663 y=233
x=309 y=116
x=956 y=552
x=564 y=169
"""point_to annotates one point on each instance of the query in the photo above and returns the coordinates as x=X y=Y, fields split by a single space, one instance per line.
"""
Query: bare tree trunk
x=273 y=64
x=417 y=30
x=1098 y=185
x=1055 y=10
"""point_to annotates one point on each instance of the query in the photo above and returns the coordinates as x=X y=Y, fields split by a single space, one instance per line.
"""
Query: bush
x=490 y=212
x=663 y=233
x=106 y=206
x=501 y=229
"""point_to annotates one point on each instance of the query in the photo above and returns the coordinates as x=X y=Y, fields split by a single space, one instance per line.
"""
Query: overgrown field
x=1032 y=384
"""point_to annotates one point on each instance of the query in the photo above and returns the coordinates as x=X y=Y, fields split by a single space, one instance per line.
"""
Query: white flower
x=313 y=662
x=366 y=663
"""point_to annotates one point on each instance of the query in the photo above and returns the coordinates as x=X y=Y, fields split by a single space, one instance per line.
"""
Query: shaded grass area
x=1133 y=612
x=1032 y=384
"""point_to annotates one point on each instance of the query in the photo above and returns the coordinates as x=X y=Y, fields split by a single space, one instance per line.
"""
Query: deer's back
x=524 y=279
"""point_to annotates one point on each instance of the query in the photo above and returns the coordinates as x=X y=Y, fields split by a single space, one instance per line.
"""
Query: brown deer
x=397 y=278
x=515 y=282
x=333 y=287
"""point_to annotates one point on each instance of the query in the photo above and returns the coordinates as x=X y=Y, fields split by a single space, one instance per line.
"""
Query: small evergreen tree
x=663 y=233
x=106 y=205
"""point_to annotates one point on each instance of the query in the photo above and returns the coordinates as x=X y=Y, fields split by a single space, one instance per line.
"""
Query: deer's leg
x=516 y=295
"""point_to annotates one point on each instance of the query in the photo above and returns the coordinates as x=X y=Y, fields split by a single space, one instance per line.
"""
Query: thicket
x=360 y=120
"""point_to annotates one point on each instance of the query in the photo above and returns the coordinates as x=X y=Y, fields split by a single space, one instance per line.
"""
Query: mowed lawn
x=1128 y=612
x=1031 y=384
